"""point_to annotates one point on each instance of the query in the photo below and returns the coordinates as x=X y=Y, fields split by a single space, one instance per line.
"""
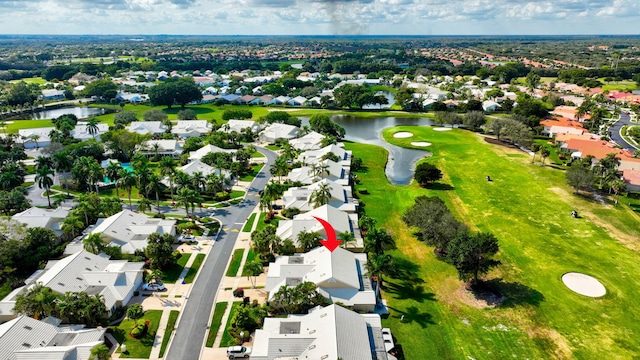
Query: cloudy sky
x=311 y=17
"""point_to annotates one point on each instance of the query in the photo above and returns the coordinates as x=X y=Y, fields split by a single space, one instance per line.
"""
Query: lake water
x=401 y=162
x=81 y=112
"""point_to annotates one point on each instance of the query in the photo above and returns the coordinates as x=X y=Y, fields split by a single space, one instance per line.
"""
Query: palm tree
x=38 y=302
x=271 y=191
x=214 y=183
x=44 y=179
x=156 y=186
x=63 y=163
x=93 y=243
x=113 y=173
x=96 y=174
x=534 y=149
x=44 y=160
x=618 y=186
x=156 y=275
x=182 y=180
x=378 y=264
x=143 y=174
x=35 y=139
x=72 y=225
x=127 y=181
x=253 y=269
x=377 y=241
x=544 y=152
x=187 y=197
x=168 y=168
x=321 y=195
x=143 y=205
x=346 y=237
x=92 y=127
x=198 y=181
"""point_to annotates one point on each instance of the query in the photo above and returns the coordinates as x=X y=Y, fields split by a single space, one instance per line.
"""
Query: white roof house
x=278 y=131
x=25 y=338
x=340 y=220
x=171 y=148
x=37 y=137
x=489 y=105
x=340 y=276
x=334 y=171
x=300 y=197
x=128 y=230
x=297 y=101
x=200 y=153
x=52 y=94
x=147 y=127
x=191 y=128
x=311 y=141
x=239 y=125
x=115 y=280
x=45 y=218
x=331 y=333
x=315 y=156
x=80 y=132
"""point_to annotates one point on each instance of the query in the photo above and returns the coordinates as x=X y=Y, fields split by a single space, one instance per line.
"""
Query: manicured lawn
x=195 y=266
x=173 y=317
x=236 y=194
x=261 y=223
x=234 y=265
x=172 y=274
x=137 y=348
x=252 y=174
x=527 y=207
x=216 y=321
x=273 y=147
x=227 y=339
x=31 y=80
x=25 y=124
x=257 y=155
x=249 y=223
x=251 y=255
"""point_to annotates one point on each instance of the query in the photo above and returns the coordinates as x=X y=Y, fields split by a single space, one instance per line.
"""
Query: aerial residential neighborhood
x=333 y=193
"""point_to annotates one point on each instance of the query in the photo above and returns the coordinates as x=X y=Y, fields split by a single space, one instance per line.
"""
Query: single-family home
x=280 y=100
x=229 y=98
x=239 y=125
x=340 y=220
x=297 y=101
x=332 y=332
x=553 y=127
x=326 y=169
x=570 y=112
x=632 y=178
x=315 y=156
x=247 y=99
x=340 y=276
x=490 y=106
x=127 y=229
x=191 y=128
x=340 y=196
x=132 y=97
x=262 y=100
x=82 y=132
x=26 y=338
x=171 y=148
x=51 y=219
x=147 y=127
x=278 y=131
x=35 y=138
x=200 y=153
x=114 y=280
x=310 y=141
x=52 y=94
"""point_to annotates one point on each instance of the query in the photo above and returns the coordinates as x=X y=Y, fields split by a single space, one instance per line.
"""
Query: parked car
x=186 y=238
x=154 y=286
x=235 y=352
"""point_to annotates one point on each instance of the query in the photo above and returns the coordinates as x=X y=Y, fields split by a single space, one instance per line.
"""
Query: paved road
x=625 y=119
x=189 y=337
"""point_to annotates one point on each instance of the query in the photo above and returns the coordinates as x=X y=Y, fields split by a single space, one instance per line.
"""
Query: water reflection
x=81 y=112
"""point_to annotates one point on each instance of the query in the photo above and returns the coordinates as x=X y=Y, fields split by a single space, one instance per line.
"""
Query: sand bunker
x=420 y=143
x=442 y=129
x=584 y=284
x=402 y=135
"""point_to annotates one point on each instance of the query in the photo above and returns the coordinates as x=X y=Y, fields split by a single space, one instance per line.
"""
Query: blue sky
x=315 y=17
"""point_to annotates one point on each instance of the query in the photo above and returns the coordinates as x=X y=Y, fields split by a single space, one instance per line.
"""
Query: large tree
x=353 y=96
x=159 y=250
x=181 y=91
x=472 y=254
x=580 y=177
x=427 y=173
x=322 y=124
x=436 y=224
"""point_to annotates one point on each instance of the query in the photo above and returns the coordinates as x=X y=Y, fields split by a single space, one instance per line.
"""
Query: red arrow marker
x=332 y=242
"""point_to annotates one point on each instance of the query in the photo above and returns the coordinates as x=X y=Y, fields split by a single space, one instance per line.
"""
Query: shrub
x=239 y=292
x=139 y=330
x=290 y=212
x=363 y=191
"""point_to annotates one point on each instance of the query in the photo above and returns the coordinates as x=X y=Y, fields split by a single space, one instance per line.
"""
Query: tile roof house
x=315 y=156
x=127 y=230
x=278 y=131
x=334 y=171
x=171 y=148
x=81 y=133
x=340 y=220
x=25 y=338
x=570 y=112
x=300 y=197
x=200 y=153
x=34 y=138
x=115 y=280
x=191 y=128
x=599 y=149
x=44 y=218
x=331 y=333
x=147 y=127
x=311 y=141
x=632 y=179
x=239 y=125
x=562 y=125
x=340 y=276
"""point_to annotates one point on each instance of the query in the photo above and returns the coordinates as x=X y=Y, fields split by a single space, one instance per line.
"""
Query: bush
x=290 y=212
x=363 y=191
x=139 y=330
x=239 y=292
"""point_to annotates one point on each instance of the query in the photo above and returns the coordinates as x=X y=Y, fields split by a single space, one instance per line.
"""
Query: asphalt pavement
x=614 y=132
x=189 y=338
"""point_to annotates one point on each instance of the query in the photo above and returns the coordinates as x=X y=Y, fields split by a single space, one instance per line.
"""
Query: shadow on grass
x=515 y=293
x=405 y=269
x=413 y=314
x=408 y=290
x=440 y=186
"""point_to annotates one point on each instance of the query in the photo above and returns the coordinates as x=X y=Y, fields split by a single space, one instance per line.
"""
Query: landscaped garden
x=137 y=347
x=527 y=207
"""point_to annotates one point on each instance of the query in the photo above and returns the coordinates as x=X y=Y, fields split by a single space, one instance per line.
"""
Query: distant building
x=43 y=218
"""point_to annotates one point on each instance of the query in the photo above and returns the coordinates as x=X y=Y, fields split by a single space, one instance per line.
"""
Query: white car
x=235 y=352
x=186 y=238
x=154 y=287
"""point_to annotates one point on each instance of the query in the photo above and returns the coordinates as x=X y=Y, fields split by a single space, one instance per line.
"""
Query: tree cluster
x=175 y=91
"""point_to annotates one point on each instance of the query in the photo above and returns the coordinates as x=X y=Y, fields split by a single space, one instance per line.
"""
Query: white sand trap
x=402 y=135
x=421 y=143
x=441 y=129
x=584 y=284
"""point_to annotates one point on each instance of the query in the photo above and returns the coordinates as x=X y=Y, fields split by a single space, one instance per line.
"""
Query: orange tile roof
x=569 y=112
x=566 y=122
x=585 y=136
x=599 y=149
x=631 y=177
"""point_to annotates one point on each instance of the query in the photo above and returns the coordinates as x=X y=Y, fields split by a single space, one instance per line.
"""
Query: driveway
x=189 y=340
x=614 y=131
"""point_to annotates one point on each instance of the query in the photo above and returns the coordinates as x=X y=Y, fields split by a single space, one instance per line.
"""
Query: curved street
x=614 y=132
x=189 y=337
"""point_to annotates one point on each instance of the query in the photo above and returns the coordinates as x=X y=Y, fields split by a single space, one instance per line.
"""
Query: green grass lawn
x=273 y=147
x=527 y=207
x=16 y=125
x=252 y=174
x=257 y=155
x=236 y=194
x=251 y=255
x=216 y=321
x=624 y=85
x=193 y=270
x=173 y=317
x=261 y=224
x=249 y=224
x=234 y=265
x=31 y=80
x=172 y=273
x=227 y=339
x=138 y=348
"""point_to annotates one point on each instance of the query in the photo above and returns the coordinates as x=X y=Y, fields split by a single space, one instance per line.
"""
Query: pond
x=400 y=166
x=81 y=112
